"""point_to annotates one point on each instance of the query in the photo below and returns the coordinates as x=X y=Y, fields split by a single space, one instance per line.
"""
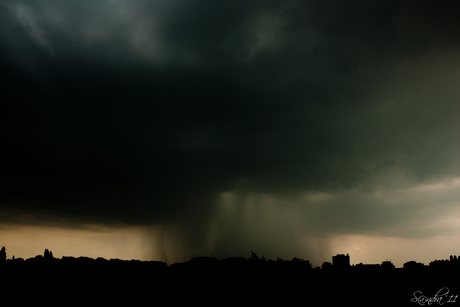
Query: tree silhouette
x=255 y=258
x=48 y=254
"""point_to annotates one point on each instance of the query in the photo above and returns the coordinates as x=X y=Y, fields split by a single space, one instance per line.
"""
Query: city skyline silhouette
x=169 y=130
x=254 y=279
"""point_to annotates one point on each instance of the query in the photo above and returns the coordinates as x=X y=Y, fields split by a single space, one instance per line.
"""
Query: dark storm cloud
x=88 y=129
x=145 y=111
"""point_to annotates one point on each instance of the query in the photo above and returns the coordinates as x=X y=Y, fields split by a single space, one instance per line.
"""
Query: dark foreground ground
x=228 y=282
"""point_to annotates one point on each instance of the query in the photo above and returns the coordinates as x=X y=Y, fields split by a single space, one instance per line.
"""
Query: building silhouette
x=387 y=265
x=341 y=261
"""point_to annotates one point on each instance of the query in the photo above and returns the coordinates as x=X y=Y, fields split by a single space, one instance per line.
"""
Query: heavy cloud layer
x=331 y=113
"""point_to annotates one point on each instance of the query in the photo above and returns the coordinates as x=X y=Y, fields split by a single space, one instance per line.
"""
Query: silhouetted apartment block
x=341 y=261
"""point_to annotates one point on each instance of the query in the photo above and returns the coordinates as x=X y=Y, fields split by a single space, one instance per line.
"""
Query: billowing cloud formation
x=240 y=123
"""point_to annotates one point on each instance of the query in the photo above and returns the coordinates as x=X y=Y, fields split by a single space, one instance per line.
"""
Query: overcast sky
x=287 y=128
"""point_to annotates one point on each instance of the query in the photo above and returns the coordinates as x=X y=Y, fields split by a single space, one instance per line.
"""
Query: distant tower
x=341 y=261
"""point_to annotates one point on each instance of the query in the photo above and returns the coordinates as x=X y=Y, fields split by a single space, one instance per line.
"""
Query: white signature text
x=440 y=297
